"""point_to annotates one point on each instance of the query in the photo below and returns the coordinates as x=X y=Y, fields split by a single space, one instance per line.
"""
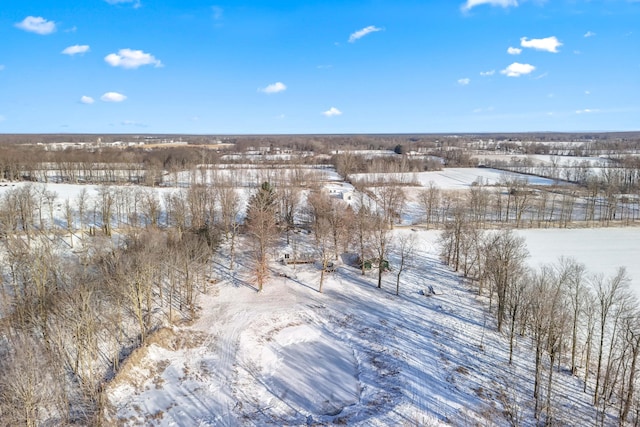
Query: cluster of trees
x=362 y=228
x=86 y=281
x=68 y=321
x=348 y=163
x=515 y=203
x=621 y=175
x=586 y=324
x=99 y=165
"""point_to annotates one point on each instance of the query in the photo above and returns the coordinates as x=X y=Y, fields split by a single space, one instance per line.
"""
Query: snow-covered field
x=601 y=250
x=544 y=159
x=353 y=355
x=452 y=178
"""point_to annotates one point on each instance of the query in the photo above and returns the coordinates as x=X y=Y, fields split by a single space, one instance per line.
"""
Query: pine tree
x=261 y=225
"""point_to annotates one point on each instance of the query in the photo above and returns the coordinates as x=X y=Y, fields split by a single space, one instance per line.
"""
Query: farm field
x=601 y=250
x=452 y=178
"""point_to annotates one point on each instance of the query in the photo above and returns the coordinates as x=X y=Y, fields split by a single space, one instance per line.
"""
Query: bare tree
x=81 y=204
x=288 y=198
x=505 y=258
x=608 y=293
x=106 y=208
x=383 y=239
x=29 y=386
x=364 y=230
x=547 y=321
x=632 y=340
x=229 y=202
x=516 y=302
x=572 y=276
x=68 y=215
x=391 y=200
x=322 y=231
x=429 y=200
x=405 y=248
x=152 y=208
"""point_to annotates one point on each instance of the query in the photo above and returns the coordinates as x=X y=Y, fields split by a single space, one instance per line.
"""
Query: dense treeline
x=515 y=203
x=68 y=322
x=78 y=296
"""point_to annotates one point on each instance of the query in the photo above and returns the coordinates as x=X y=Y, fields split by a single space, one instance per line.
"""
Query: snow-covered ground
x=353 y=355
x=601 y=250
x=543 y=159
x=452 y=178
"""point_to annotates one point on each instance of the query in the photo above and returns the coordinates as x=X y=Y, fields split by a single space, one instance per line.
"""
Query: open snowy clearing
x=601 y=250
x=544 y=159
x=353 y=355
x=452 y=178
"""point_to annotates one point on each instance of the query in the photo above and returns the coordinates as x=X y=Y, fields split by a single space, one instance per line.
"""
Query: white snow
x=601 y=250
x=353 y=355
x=453 y=178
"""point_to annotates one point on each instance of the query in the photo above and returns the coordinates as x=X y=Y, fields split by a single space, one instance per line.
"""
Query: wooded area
x=87 y=281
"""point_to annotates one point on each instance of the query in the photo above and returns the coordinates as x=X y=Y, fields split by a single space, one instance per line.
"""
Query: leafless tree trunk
x=405 y=249
x=506 y=254
x=608 y=292
x=383 y=240
x=429 y=200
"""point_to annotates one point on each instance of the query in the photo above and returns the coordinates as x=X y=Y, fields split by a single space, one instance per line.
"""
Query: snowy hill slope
x=355 y=355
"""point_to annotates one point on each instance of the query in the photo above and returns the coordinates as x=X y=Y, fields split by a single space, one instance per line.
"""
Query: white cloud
x=464 y=82
x=274 y=88
x=487 y=73
x=37 y=24
x=128 y=58
x=363 y=32
x=136 y=3
x=548 y=44
x=1 y=67
x=517 y=69
x=589 y=34
x=87 y=99
x=2 y=118
x=331 y=112
x=218 y=12
x=76 y=49
x=586 y=92
x=586 y=111
x=503 y=3
x=514 y=50
x=113 y=97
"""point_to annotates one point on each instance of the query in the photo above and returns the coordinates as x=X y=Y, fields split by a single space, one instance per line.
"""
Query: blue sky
x=376 y=66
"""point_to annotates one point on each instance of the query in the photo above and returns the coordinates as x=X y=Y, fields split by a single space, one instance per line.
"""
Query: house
x=288 y=257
